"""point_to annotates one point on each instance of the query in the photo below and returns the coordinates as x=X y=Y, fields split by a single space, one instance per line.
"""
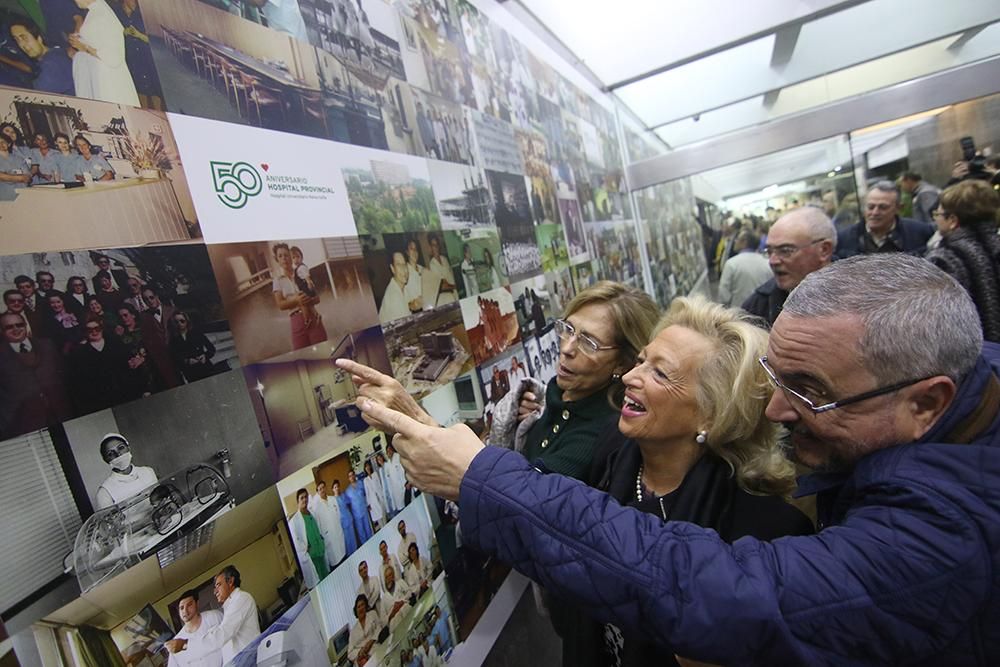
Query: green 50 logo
x=235 y=182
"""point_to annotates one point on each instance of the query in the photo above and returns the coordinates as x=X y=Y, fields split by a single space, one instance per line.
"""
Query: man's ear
x=926 y=401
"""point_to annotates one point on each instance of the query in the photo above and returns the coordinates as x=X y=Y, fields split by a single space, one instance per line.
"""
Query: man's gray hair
x=817 y=223
x=918 y=321
x=886 y=186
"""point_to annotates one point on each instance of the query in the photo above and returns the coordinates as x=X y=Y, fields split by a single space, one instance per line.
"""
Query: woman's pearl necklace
x=638 y=484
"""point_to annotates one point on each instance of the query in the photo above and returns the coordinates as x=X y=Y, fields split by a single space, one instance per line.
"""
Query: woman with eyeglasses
x=190 y=349
x=966 y=219
x=692 y=444
x=557 y=426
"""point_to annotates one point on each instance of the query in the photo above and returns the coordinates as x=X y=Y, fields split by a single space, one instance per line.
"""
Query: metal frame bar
x=930 y=92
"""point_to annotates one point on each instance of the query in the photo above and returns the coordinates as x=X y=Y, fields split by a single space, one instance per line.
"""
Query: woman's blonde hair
x=633 y=312
x=732 y=391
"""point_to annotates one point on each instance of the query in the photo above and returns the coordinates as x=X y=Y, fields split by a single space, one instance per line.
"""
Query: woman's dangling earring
x=701 y=438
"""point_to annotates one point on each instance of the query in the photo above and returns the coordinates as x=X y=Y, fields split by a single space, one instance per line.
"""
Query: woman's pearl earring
x=701 y=438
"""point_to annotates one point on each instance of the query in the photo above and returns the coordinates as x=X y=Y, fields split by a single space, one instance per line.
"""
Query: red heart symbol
x=265 y=165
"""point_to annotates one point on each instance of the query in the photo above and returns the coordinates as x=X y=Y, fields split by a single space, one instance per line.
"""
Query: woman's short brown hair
x=972 y=202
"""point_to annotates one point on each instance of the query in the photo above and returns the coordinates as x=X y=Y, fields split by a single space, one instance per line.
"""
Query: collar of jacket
x=972 y=411
x=589 y=407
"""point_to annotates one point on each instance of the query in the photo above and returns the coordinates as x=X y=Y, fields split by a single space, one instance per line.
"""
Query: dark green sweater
x=565 y=436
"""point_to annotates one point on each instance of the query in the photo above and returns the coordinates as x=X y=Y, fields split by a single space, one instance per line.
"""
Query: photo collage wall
x=203 y=205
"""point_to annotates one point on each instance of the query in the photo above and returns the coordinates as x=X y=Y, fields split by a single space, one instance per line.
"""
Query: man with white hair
x=799 y=243
x=889 y=393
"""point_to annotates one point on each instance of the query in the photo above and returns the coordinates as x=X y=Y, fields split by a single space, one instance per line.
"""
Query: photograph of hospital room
x=47 y=37
x=131 y=619
x=285 y=295
x=97 y=328
x=345 y=85
x=336 y=503
x=429 y=348
x=84 y=167
x=150 y=475
x=386 y=593
x=304 y=404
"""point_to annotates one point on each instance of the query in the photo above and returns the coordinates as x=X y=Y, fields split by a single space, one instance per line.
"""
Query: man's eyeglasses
x=15 y=325
x=833 y=405
x=584 y=343
x=787 y=250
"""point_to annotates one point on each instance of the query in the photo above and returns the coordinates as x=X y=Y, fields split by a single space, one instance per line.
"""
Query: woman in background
x=14 y=172
x=375 y=495
x=138 y=55
x=19 y=146
x=100 y=71
x=966 y=218
x=66 y=161
x=76 y=296
x=190 y=349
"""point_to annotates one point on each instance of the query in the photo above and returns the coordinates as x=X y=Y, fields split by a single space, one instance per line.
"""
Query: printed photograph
x=491 y=323
x=387 y=594
x=534 y=307
x=559 y=285
x=477 y=260
x=287 y=295
x=499 y=376
x=437 y=37
x=205 y=608
x=459 y=401
x=463 y=200
x=335 y=504
x=304 y=405
x=409 y=273
x=84 y=168
x=538 y=174
x=443 y=128
x=614 y=248
x=583 y=275
x=87 y=330
x=95 y=49
x=569 y=213
x=517 y=230
x=153 y=473
x=429 y=349
x=217 y=64
x=390 y=193
x=552 y=246
x=498 y=147
x=543 y=356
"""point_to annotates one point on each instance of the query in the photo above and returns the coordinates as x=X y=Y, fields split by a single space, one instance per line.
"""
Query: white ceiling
x=734 y=64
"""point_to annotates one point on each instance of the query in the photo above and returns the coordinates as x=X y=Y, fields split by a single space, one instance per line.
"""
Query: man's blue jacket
x=906 y=568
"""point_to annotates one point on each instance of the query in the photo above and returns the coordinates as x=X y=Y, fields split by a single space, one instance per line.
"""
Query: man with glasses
x=31 y=380
x=799 y=243
x=882 y=230
x=888 y=391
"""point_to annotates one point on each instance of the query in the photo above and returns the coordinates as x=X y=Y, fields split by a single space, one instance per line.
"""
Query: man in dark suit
x=119 y=276
x=14 y=302
x=31 y=380
x=882 y=230
x=157 y=327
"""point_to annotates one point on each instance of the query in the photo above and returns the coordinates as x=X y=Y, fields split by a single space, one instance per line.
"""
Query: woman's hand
x=384 y=390
x=529 y=405
x=435 y=458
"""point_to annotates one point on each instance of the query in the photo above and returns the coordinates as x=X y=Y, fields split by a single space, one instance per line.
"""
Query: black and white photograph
x=463 y=200
x=154 y=472
x=499 y=376
x=533 y=304
x=512 y=212
x=443 y=129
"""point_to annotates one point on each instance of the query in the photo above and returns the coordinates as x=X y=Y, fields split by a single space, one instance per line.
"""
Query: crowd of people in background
x=100 y=341
x=759 y=260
